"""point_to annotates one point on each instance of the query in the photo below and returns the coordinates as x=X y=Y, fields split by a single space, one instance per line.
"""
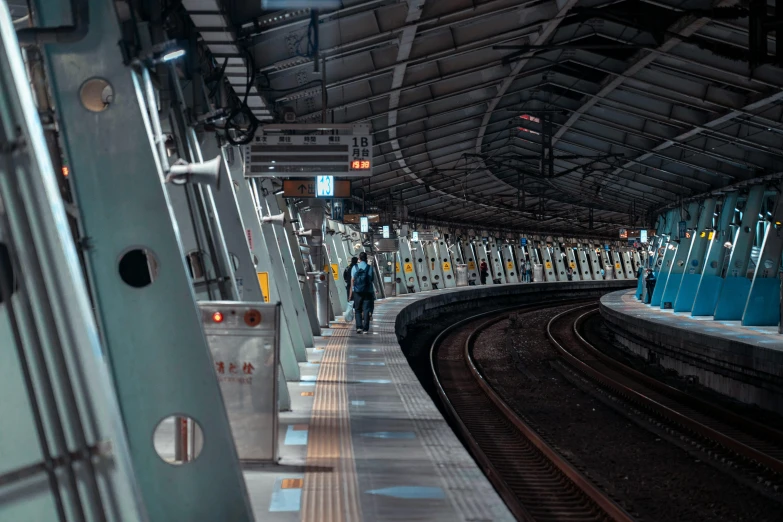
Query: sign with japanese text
x=243 y=340
x=386 y=231
x=306 y=188
x=286 y=155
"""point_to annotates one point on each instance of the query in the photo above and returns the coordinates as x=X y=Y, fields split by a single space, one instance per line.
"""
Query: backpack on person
x=362 y=281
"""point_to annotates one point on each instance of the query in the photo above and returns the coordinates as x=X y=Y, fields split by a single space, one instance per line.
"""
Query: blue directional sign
x=410 y=492
x=523 y=241
x=324 y=187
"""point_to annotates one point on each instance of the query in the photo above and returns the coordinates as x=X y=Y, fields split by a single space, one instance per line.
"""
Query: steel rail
x=746 y=436
x=559 y=472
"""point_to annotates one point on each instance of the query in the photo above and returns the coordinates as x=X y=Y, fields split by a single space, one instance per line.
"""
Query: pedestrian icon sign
x=324 y=187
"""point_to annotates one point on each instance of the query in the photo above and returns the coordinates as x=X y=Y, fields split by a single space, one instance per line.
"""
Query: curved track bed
x=736 y=434
x=537 y=483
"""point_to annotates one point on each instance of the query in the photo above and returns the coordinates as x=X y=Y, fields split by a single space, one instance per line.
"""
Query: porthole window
x=138 y=267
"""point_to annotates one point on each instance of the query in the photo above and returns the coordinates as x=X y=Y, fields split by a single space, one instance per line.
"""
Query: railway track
x=726 y=430
x=535 y=481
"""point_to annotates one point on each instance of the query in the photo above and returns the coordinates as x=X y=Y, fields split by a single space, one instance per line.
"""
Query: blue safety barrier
x=707 y=295
x=687 y=294
x=671 y=289
x=733 y=296
x=763 y=307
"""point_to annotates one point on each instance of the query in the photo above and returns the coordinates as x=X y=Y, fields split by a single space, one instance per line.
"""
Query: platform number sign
x=415 y=236
x=361 y=152
x=386 y=232
x=364 y=224
x=324 y=187
x=682 y=227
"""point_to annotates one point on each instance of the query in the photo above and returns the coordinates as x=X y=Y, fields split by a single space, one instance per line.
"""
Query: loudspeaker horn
x=279 y=219
x=207 y=173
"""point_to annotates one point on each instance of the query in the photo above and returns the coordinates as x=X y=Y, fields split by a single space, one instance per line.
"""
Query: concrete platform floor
x=766 y=337
x=365 y=442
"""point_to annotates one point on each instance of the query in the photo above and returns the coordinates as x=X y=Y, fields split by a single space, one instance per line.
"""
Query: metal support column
x=584 y=263
x=446 y=264
x=432 y=257
x=407 y=257
x=277 y=272
x=151 y=326
x=559 y=261
x=63 y=451
x=294 y=286
x=571 y=260
x=301 y=273
x=736 y=284
x=694 y=263
x=763 y=305
x=672 y=280
x=289 y=367
x=422 y=266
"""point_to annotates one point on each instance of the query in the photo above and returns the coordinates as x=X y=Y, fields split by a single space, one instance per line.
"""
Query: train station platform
x=364 y=441
x=745 y=363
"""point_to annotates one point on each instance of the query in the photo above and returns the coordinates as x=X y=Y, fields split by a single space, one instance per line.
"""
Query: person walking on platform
x=483 y=272
x=570 y=273
x=362 y=292
x=347 y=275
x=527 y=271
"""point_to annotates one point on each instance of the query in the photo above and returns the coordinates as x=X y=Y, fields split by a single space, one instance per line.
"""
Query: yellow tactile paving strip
x=331 y=488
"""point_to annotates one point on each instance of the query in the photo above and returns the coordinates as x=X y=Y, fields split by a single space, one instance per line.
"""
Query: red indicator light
x=360 y=165
x=217 y=317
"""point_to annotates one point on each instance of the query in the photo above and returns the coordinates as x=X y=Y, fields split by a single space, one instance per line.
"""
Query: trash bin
x=538 y=273
x=319 y=289
x=462 y=275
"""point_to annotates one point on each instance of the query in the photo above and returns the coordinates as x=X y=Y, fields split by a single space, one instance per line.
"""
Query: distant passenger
x=650 y=283
x=603 y=273
x=483 y=272
x=527 y=271
x=347 y=275
x=362 y=292
x=570 y=273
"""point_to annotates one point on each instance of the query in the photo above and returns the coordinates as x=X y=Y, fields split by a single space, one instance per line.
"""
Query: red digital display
x=360 y=165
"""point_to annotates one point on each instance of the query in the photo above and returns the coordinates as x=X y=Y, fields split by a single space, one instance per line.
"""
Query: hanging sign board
x=282 y=155
x=682 y=227
x=306 y=188
x=386 y=231
x=364 y=223
x=356 y=218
